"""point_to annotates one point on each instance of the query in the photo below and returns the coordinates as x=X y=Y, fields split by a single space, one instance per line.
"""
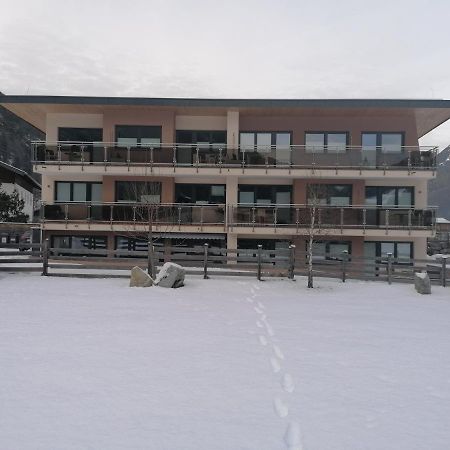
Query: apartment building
x=235 y=173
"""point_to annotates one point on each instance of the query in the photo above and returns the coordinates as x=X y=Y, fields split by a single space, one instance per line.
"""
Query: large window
x=390 y=196
x=330 y=194
x=403 y=251
x=200 y=193
x=386 y=142
x=78 y=191
x=80 y=134
x=330 y=142
x=138 y=191
x=330 y=249
x=264 y=142
x=133 y=135
x=79 y=242
x=265 y=195
x=202 y=138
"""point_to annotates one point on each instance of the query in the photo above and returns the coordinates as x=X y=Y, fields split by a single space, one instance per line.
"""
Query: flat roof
x=429 y=113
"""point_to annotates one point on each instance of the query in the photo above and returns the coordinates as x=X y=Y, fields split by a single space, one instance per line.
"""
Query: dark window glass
x=200 y=193
x=330 y=194
x=78 y=191
x=80 y=134
x=387 y=142
x=331 y=142
x=261 y=194
x=138 y=191
x=194 y=137
x=138 y=134
x=390 y=196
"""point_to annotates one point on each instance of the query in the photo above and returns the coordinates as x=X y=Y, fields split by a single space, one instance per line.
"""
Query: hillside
x=15 y=137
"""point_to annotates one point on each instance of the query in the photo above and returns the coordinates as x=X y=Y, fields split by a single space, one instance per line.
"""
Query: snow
x=225 y=363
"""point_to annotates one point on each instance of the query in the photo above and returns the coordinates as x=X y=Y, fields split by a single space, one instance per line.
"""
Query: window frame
x=379 y=196
x=328 y=186
x=116 y=191
x=193 y=189
x=254 y=188
x=139 y=135
x=379 y=143
x=71 y=183
x=325 y=141
x=80 y=129
x=273 y=140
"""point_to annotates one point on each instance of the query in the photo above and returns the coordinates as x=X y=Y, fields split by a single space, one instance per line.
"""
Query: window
x=263 y=142
x=132 y=135
x=330 y=194
x=216 y=138
x=330 y=249
x=200 y=193
x=79 y=242
x=403 y=251
x=330 y=142
x=138 y=191
x=386 y=142
x=265 y=195
x=80 y=134
x=77 y=191
x=390 y=196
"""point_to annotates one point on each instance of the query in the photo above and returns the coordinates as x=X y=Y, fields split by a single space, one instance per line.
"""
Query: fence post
x=45 y=258
x=389 y=268
x=344 y=264
x=444 y=271
x=259 y=261
x=205 y=262
x=291 y=262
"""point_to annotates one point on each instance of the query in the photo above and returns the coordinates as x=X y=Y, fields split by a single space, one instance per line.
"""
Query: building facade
x=17 y=180
x=235 y=173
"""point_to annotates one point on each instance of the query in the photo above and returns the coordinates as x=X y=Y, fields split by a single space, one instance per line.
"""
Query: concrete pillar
x=232 y=133
x=421 y=194
x=420 y=248
x=232 y=183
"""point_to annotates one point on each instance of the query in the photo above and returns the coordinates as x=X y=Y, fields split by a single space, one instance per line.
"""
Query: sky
x=229 y=49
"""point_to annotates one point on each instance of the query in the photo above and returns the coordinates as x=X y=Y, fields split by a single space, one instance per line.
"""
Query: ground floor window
x=330 y=250
x=74 y=242
x=402 y=251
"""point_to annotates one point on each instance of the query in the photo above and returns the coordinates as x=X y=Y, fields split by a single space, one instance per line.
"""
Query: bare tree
x=146 y=208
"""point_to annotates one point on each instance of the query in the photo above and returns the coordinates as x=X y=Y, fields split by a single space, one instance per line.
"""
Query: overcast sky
x=232 y=48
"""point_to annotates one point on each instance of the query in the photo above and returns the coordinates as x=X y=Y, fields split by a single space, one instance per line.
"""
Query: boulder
x=422 y=283
x=170 y=276
x=140 y=278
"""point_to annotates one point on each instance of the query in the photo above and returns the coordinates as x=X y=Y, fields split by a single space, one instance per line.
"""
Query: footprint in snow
x=257 y=310
x=288 y=383
x=263 y=340
x=275 y=364
x=269 y=329
x=261 y=306
x=292 y=437
x=280 y=407
x=259 y=324
x=250 y=300
x=278 y=351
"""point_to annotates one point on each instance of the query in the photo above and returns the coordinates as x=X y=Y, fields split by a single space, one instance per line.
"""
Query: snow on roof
x=442 y=220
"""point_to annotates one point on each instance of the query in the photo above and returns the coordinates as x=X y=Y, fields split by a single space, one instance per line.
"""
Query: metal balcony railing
x=249 y=216
x=172 y=214
x=331 y=217
x=217 y=155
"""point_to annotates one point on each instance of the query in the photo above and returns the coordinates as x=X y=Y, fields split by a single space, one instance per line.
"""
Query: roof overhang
x=428 y=114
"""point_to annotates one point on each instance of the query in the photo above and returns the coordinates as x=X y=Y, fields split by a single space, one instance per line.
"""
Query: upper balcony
x=294 y=160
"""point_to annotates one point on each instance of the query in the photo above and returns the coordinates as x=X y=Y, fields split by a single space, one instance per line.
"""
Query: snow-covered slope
x=223 y=364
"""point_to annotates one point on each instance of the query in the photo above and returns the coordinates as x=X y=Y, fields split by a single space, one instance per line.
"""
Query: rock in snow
x=140 y=278
x=170 y=276
x=422 y=283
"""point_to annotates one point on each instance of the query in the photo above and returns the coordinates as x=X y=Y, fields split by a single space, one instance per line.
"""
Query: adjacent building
x=17 y=180
x=235 y=173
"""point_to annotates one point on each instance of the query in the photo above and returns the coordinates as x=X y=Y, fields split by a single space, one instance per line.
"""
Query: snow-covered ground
x=223 y=364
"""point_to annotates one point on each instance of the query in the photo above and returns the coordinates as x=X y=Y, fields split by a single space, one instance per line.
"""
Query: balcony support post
x=179 y=218
x=205 y=261
x=174 y=158
x=342 y=220
x=259 y=261
x=389 y=268
x=291 y=262
x=387 y=220
x=151 y=159
x=409 y=221
x=82 y=157
x=364 y=220
x=253 y=218
x=297 y=218
x=105 y=156
x=444 y=271
x=59 y=156
x=275 y=214
x=128 y=158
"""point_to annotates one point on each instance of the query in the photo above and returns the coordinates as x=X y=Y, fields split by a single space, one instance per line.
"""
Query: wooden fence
x=205 y=261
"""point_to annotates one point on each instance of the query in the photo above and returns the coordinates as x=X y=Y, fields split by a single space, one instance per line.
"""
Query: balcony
x=288 y=158
x=248 y=218
x=171 y=215
x=331 y=217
